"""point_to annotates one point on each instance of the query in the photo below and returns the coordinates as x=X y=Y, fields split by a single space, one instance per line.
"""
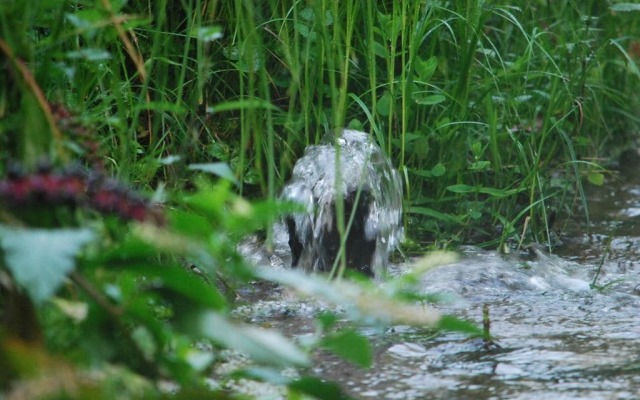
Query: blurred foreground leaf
x=40 y=259
x=451 y=323
x=350 y=345
x=219 y=169
x=364 y=303
x=319 y=389
x=262 y=345
x=625 y=7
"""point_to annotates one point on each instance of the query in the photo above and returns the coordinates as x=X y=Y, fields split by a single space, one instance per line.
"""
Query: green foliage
x=123 y=294
x=26 y=251
x=351 y=346
x=488 y=95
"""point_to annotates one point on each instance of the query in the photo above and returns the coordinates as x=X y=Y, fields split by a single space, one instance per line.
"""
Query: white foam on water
x=316 y=182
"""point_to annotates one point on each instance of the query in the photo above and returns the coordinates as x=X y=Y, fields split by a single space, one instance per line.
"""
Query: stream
x=555 y=336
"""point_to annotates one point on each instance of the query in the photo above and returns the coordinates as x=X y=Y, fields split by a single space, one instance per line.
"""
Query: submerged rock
x=371 y=191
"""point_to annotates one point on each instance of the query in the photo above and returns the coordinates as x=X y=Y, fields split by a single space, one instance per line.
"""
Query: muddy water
x=556 y=336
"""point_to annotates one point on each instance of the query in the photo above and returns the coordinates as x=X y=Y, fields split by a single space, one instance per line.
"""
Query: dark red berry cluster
x=76 y=187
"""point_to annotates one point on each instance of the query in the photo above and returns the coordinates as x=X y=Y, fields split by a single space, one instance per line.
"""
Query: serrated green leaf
x=351 y=346
x=40 y=259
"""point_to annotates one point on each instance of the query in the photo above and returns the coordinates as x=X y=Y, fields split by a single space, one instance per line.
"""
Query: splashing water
x=371 y=190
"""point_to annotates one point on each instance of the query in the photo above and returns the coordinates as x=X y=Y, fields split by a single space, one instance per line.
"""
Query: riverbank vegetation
x=138 y=135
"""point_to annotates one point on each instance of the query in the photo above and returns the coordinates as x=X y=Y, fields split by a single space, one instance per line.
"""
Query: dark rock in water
x=629 y=163
x=371 y=190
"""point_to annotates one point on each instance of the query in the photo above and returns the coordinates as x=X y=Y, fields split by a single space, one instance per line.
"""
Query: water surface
x=556 y=336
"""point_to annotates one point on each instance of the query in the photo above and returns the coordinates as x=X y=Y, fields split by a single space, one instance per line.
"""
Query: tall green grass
x=493 y=112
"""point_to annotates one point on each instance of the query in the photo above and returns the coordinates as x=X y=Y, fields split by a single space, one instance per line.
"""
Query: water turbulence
x=564 y=325
x=371 y=191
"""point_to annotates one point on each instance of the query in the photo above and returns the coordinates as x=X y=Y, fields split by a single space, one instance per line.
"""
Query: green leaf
x=438 y=170
x=596 y=178
x=480 y=165
x=435 y=214
x=262 y=374
x=162 y=106
x=495 y=192
x=380 y=50
x=625 y=7
x=304 y=31
x=359 y=300
x=475 y=214
x=422 y=172
x=384 y=105
x=219 y=150
x=85 y=19
x=241 y=105
x=89 y=54
x=220 y=169
x=117 y=5
x=351 y=346
x=210 y=201
x=183 y=282
x=127 y=250
x=40 y=259
x=425 y=69
x=499 y=193
x=327 y=320
x=428 y=100
x=449 y=323
x=318 y=388
x=262 y=345
x=208 y=33
x=190 y=224
x=461 y=188
x=310 y=285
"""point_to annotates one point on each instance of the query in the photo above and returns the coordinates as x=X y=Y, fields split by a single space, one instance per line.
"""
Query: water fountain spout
x=371 y=190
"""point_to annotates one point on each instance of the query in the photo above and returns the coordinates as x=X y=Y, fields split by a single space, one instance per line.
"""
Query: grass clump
x=496 y=114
